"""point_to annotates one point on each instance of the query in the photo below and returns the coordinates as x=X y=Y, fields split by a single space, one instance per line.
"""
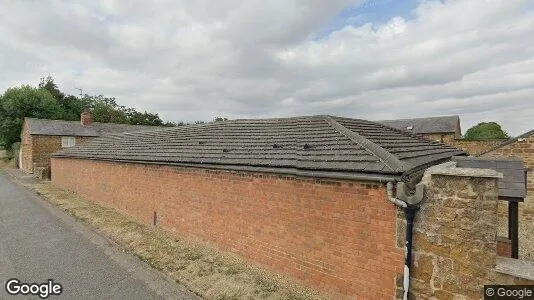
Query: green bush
x=486 y=131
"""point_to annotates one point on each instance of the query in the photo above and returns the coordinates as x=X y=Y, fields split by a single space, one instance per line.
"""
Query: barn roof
x=315 y=143
x=443 y=124
x=512 y=185
x=75 y=128
x=509 y=141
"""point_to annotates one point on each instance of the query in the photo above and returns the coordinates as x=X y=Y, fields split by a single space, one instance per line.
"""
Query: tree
x=174 y=124
x=72 y=105
x=48 y=84
x=486 y=131
x=47 y=101
x=25 y=101
x=220 y=119
x=106 y=110
x=145 y=118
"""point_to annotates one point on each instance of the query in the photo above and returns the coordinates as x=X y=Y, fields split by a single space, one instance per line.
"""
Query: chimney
x=85 y=118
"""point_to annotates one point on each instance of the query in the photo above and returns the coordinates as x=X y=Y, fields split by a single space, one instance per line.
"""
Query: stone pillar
x=455 y=237
x=455 y=243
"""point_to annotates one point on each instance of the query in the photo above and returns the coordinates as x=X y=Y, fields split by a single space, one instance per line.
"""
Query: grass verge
x=206 y=271
x=4 y=163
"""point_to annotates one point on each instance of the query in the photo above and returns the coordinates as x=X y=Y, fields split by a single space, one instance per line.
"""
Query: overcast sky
x=197 y=59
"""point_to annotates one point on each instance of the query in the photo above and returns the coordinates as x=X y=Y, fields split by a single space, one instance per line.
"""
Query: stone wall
x=446 y=138
x=334 y=235
x=43 y=146
x=26 y=163
x=474 y=147
x=38 y=149
x=524 y=149
x=455 y=236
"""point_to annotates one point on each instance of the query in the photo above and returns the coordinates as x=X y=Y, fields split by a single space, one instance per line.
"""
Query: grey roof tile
x=75 y=128
x=512 y=185
x=316 y=143
x=444 y=124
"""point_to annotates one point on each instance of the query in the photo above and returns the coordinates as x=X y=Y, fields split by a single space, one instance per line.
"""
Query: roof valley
x=385 y=156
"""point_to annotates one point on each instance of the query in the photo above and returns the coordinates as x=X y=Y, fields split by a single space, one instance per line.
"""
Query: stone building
x=42 y=137
x=444 y=129
x=521 y=147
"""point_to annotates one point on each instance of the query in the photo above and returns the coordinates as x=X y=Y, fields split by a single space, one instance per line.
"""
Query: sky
x=197 y=59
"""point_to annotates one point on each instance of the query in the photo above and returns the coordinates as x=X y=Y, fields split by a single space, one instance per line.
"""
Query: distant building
x=444 y=129
x=42 y=137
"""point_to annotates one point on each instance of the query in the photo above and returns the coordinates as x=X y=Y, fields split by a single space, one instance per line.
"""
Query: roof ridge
x=390 y=160
x=78 y=122
x=420 y=118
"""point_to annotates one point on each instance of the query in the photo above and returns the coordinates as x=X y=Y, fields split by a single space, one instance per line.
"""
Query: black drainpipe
x=410 y=211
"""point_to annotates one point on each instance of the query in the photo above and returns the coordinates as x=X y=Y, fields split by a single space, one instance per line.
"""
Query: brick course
x=336 y=236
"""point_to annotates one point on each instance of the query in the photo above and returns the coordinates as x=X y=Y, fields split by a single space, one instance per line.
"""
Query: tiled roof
x=508 y=142
x=512 y=185
x=75 y=128
x=445 y=124
x=316 y=143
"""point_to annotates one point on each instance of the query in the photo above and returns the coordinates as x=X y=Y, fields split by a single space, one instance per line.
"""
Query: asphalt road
x=38 y=242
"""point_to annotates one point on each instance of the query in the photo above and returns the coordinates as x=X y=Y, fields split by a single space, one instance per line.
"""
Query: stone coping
x=450 y=169
x=515 y=267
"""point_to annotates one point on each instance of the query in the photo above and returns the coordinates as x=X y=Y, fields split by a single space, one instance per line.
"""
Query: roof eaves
x=244 y=168
x=390 y=160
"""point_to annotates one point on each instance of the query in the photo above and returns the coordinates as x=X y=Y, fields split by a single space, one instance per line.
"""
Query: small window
x=68 y=141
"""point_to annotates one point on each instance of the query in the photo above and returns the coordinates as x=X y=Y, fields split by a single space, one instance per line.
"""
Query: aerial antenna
x=81 y=92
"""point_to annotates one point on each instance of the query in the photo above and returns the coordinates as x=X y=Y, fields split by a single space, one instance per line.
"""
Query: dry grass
x=4 y=164
x=203 y=269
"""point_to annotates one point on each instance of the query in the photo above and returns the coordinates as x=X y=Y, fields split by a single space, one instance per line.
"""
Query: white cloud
x=190 y=60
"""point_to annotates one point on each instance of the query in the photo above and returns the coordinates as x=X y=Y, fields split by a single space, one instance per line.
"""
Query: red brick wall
x=504 y=247
x=337 y=236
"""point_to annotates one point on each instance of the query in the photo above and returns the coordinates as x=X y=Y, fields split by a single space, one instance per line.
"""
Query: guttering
x=272 y=170
x=409 y=205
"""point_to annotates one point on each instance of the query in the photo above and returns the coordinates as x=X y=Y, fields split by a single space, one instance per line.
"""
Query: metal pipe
x=397 y=202
x=409 y=212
